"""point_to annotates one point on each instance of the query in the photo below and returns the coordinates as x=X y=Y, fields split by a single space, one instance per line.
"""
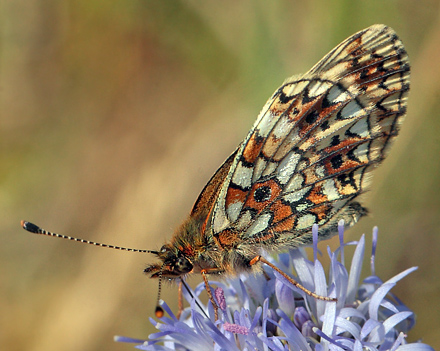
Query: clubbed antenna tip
x=30 y=227
x=159 y=312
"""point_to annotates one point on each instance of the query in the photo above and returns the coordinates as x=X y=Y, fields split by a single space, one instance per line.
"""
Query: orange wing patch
x=262 y=194
x=316 y=195
x=252 y=149
x=235 y=195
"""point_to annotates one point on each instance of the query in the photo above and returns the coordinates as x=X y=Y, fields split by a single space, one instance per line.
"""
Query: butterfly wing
x=204 y=203
x=310 y=154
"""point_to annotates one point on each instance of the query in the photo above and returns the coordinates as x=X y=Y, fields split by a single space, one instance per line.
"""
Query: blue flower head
x=266 y=312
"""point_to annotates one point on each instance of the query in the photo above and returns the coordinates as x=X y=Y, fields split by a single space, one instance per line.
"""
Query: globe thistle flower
x=266 y=312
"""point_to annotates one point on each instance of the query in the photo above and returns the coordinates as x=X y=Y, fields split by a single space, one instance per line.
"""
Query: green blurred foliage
x=114 y=114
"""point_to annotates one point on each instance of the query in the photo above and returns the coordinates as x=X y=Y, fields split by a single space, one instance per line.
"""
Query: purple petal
x=300 y=316
x=118 y=338
x=355 y=271
x=350 y=313
x=303 y=268
x=315 y=242
x=320 y=289
x=388 y=305
x=341 y=239
x=167 y=310
x=395 y=319
x=373 y=251
x=270 y=326
x=327 y=338
x=399 y=340
x=376 y=299
x=293 y=335
x=371 y=325
x=372 y=279
x=274 y=344
x=284 y=261
x=244 y=295
x=287 y=283
x=415 y=347
x=285 y=297
x=153 y=347
x=307 y=329
x=343 y=325
x=339 y=276
x=220 y=340
x=400 y=276
x=329 y=318
x=358 y=346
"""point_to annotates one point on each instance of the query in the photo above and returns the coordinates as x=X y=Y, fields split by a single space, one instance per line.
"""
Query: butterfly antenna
x=159 y=312
x=32 y=228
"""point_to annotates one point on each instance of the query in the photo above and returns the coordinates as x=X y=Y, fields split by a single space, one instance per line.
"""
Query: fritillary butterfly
x=308 y=159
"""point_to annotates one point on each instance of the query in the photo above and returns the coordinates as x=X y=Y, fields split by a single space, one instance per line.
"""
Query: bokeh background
x=113 y=116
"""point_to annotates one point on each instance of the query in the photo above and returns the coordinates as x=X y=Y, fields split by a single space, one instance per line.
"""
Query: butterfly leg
x=208 y=290
x=294 y=282
x=180 y=299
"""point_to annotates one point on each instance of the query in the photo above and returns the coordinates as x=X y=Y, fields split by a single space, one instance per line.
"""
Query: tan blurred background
x=113 y=116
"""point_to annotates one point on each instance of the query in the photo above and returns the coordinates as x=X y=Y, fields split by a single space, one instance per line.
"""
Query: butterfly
x=307 y=159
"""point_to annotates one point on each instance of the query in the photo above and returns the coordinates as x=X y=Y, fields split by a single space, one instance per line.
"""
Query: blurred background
x=114 y=115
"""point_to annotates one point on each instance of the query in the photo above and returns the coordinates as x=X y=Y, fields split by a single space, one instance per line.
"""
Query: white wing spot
x=287 y=167
x=297 y=88
x=362 y=152
x=320 y=171
x=305 y=222
x=336 y=94
x=297 y=195
x=360 y=128
x=317 y=88
x=330 y=190
x=266 y=124
x=351 y=110
x=295 y=183
x=244 y=220
x=242 y=176
x=280 y=129
x=220 y=221
x=233 y=210
x=270 y=168
x=260 y=165
x=259 y=225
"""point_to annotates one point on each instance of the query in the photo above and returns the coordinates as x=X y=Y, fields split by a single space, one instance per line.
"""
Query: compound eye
x=164 y=248
x=183 y=265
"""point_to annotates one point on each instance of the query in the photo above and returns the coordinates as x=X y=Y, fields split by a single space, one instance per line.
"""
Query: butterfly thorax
x=193 y=250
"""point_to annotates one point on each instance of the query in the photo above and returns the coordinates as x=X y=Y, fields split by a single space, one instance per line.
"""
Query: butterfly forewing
x=310 y=153
x=205 y=201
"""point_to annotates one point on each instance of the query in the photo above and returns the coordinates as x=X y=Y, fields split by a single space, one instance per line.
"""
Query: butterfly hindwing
x=311 y=151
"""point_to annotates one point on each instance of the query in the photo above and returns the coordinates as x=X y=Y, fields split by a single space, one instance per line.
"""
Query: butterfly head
x=174 y=264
